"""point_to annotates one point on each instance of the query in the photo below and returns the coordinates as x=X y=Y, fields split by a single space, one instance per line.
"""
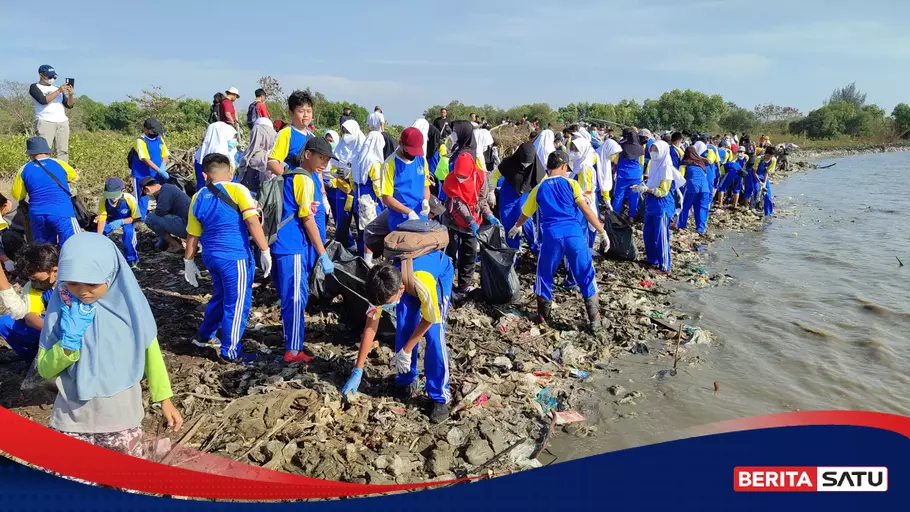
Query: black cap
x=154 y=125
x=318 y=145
x=144 y=182
x=557 y=159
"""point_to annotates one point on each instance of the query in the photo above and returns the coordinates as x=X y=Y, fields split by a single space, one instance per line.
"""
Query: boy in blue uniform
x=291 y=139
x=406 y=180
x=151 y=160
x=117 y=210
x=736 y=168
x=45 y=181
x=39 y=263
x=764 y=166
x=298 y=246
x=223 y=216
x=564 y=218
x=420 y=315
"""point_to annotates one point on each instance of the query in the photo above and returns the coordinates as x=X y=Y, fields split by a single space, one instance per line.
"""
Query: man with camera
x=51 y=122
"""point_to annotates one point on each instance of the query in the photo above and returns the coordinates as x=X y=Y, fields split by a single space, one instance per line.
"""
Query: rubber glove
x=602 y=242
x=327 y=266
x=350 y=387
x=74 y=321
x=115 y=224
x=162 y=171
x=412 y=215
x=494 y=221
x=641 y=189
x=265 y=261
x=515 y=231
x=402 y=361
x=191 y=272
x=474 y=228
x=425 y=208
x=9 y=265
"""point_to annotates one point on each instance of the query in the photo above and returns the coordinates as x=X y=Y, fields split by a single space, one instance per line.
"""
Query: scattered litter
x=547 y=400
x=566 y=417
x=578 y=374
x=646 y=284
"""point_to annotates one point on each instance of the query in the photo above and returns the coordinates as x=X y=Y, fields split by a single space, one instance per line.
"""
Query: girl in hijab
x=659 y=206
x=698 y=189
x=366 y=178
x=221 y=138
x=544 y=144
x=98 y=342
x=253 y=169
x=521 y=171
x=435 y=148
x=463 y=142
x=629 y=171
x=338 y=182
x=607 y=156
x=583 y=161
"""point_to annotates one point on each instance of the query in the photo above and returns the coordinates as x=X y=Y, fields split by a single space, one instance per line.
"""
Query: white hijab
x=483 y=139
x=661 y=168
x=346 y=152
x=370 y=153
x=374 y=122
x=583 y=157
x=544 y=145
x=604 y=165
x=701 y=147
x=263 y=121
x=336 y=139
x=423 y=126
x=216 y=140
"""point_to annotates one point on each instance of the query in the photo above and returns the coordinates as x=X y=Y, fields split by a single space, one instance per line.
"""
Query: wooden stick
x=186 y=437
x=266 y=437
x=678 y=341
x=209 y=397
x=734 y=252
x=543 y=443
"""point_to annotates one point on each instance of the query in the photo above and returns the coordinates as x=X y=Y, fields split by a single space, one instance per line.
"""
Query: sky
x=408 y=55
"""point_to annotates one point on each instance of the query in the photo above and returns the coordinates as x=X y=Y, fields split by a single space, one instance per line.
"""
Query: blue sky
x=408 y=55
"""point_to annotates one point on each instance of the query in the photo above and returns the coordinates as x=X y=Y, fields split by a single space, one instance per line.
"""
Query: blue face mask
x=232 y=144
x=392 y=304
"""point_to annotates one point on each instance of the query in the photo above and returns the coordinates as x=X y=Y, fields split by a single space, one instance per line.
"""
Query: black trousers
x=463 y=251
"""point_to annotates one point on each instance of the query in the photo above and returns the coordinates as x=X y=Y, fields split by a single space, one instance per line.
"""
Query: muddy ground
x=507 y=375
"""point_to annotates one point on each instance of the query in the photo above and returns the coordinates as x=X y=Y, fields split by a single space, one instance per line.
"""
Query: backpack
x=215 y=114
x=251 y=115
x=271 y=200
x=412 y=239
x=131 y=157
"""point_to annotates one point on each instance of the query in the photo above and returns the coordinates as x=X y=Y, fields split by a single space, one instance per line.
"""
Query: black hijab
x=693 y=158
x=520 y=177
x=631 y=147
x=434 y=138
x=464 y=139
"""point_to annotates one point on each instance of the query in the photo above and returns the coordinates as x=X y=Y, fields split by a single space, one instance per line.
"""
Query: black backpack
x=215 y=114
x=251 y=115
x=271 y=200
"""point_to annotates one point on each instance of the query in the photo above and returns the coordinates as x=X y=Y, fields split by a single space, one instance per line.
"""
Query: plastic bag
x=350 y=279
x=323 y=290
x=366 y=211
x=498 y=279
x=622 y=243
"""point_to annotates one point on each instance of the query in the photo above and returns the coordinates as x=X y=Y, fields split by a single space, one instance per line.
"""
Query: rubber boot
x=543 y=311
x=592 y=306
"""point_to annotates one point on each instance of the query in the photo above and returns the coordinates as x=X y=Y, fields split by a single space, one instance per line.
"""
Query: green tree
x=848 y=94
x=901 y=115
x=737 y=119
x=16 y=111
x=122 y=116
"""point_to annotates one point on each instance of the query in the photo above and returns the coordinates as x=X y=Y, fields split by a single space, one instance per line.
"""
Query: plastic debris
x=547 y=400
x=566 y=417
x=579 y=374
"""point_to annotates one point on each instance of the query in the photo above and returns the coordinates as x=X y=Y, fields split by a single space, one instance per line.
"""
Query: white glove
x=412 y=215
x=425 y=208
x=641 y=189
x=191 y=272
x=402 y=361
x=265 y=261
x=515 y=231
x=602 y=242
x=9 y=265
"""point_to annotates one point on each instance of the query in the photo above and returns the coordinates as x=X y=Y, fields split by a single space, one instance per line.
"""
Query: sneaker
x=439 y=413
x=244 y=358
x=213 y=343
x=409 y=392
x=301 y=357
x=134 y=265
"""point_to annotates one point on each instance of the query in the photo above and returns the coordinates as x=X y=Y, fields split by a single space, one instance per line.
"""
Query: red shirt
x=227 y=107
x=262 y=110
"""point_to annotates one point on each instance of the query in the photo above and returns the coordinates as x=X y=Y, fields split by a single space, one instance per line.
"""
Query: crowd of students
x=85 y=321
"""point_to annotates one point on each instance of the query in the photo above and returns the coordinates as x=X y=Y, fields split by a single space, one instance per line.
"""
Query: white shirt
x=54 y=111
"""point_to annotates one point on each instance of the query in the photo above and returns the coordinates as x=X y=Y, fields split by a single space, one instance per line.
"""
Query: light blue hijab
x=112 y=358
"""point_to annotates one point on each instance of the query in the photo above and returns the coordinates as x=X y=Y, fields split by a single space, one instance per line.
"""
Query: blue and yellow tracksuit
x=763 y=169
x=295 y=255
x=698 y=196
x=733 y=182
x=125 y=208
x=713 y=159
x=288 y=144
x=723 y=156
x=659 y=210
x=18 y=335
x=339 y=195
x=676 y=156
x=51 y=215
x=628 y=173
x=227 y=256
x=563 y=234
x=510 y=204
x=149 y=148
x=750 y=185
x=406 y=182
x=433 y=277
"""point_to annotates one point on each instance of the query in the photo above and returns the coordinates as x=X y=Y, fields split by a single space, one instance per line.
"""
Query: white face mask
x=348 y=138
x=654 y=155
x=453 y=138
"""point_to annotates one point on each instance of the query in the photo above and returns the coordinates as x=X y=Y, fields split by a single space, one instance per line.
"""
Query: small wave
x=812 y=330
x=880 y=310
x=878 y=351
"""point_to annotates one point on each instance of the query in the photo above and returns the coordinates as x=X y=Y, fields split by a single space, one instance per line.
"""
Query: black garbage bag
x=351 y=282
x=323 y=290
x=622 y=244
x=498 y=279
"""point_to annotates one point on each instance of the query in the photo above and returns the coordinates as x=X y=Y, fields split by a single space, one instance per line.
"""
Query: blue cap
x=47 y=70
x=113 y=185
x=37 y=146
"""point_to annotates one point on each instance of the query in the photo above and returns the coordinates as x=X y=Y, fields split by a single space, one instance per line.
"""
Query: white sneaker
x=213 y=343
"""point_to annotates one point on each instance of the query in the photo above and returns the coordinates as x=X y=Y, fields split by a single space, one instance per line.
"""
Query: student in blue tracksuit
x=659 y=206
x=119 y=210
x=521 y=171
x=39 y=264
x=406 y=181
x=737 y=168
x=421 y=315
x=698 y=188
x=292 y=138
x=724 y=155
x=51 y=215
x=224 y=229
x=564 y=219
x=629 y=172
x=762 y=175
x=150 y=160
x=298 y=247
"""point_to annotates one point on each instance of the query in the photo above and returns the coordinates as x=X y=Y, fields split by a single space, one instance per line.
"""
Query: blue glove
x=494 y=221
x=327 y=266
x=474 y=228
x=350 y=387
x=162 y=172
x=74 y=321
x=115 y=224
